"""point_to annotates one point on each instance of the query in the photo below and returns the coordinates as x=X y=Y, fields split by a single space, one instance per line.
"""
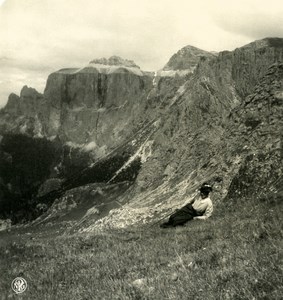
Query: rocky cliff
x=95 y=106
x=157 y=135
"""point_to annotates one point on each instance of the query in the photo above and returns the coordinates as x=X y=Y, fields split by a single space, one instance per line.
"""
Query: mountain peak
x=115 y=61
x=187 y=58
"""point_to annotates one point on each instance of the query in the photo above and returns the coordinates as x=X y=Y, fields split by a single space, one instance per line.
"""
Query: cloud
x=17 y=79
x=253 y=26
x=39 y=37
x=252 y=19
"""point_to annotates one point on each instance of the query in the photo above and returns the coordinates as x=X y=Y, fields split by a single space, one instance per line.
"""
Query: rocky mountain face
x=92 y=106
x=149 y=139
x=184 y=62
x=187 y=59
x=256 y=131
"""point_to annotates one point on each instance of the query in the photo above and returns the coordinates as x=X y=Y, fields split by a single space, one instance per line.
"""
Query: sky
x=38 y=37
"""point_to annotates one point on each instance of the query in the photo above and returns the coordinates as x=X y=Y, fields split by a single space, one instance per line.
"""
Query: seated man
x=200 y=208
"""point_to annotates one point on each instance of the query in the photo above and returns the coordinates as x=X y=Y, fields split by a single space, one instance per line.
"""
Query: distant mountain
x=187 y=58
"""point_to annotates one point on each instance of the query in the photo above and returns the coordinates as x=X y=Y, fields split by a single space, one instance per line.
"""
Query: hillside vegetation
x=237 y=254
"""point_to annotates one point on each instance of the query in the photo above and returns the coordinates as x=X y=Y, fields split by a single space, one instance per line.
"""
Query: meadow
x=236 y=254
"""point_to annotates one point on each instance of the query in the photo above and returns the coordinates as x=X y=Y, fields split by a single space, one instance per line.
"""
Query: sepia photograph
x=141 y=150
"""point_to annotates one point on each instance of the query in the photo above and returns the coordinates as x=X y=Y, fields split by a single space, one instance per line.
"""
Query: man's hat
x=205 y=188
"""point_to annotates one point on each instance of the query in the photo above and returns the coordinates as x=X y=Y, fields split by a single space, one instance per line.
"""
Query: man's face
x=203 y=196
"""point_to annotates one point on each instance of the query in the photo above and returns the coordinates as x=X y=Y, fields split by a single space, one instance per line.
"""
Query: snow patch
x=154 y=80
x=90 y=146
x=23 y=128
x=51 y=138
x=144 y=152
x=173 y=73
x=73 y=145
x=106 y=69
x=179 y=93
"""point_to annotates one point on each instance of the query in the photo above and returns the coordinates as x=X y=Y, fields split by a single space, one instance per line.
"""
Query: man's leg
x=182 y=216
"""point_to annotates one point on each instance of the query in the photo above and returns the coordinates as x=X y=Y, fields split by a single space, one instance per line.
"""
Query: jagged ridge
x=115 y=61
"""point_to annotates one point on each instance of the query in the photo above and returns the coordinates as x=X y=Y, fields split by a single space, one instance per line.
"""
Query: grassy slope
x=238 y=256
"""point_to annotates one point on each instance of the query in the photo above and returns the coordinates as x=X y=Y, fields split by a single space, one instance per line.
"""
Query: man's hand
x=200 y=218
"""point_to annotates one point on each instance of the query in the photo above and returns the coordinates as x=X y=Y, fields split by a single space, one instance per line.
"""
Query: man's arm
x=193 y=199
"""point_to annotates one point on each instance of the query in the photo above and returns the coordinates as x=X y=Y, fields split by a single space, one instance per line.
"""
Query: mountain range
x=111 y=145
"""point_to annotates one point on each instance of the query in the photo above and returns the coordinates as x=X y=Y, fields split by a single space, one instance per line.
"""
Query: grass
x=237 y=254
